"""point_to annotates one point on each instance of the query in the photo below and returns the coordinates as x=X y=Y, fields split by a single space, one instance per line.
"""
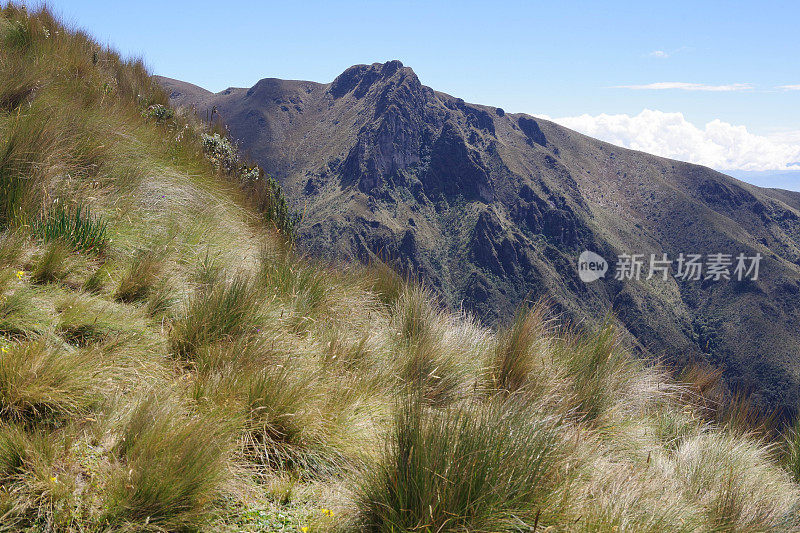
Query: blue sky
x=731 y=62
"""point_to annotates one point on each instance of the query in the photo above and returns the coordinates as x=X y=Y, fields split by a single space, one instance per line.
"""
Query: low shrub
x=159 y=112
x=221 y=152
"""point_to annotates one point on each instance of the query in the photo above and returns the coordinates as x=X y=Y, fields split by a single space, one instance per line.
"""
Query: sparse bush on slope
x=263 y=191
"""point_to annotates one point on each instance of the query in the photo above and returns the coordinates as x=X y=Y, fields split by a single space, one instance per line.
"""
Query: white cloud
x=661 y=54
x=718 y=145
x=789 y=87
x=683 y=86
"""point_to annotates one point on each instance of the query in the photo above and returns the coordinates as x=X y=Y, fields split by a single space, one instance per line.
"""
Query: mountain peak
x=359 y=78
x=390 y=67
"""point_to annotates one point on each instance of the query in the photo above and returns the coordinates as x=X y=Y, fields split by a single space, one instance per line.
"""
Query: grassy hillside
x=168 y=363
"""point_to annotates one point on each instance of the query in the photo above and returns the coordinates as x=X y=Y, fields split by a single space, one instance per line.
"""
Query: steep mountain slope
x=491 y=208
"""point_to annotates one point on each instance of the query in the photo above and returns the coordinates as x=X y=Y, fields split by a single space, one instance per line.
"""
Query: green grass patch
x=74 y=225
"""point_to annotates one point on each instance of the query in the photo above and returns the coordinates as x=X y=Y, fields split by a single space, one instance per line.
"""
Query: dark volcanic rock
x=455 y=169
x=531 y=130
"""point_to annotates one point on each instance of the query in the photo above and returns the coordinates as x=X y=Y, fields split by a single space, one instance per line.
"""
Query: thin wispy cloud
x=667 y=53
x=789 y=87
x=684 y=86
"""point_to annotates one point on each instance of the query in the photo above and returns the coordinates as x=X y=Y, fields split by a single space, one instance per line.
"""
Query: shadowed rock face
x=492 y=208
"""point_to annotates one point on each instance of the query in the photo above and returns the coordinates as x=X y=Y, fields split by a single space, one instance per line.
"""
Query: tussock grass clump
x=433 y=372
x=207 y=272
x=415 y=315
x=791 y=449
x=41 y=383
x=473 y=467
x=162 y=298
x=734 y=482
x=516 y=355
x=432 y=361
x=52 y=264
x=29 y=147
x=15 y=452
x=301 y=287
x=11 y=248
x=95 y=283
x=173 y=468
x=226 y=310
x=141 y=277
x=289 y=416
x=288 y=427
x=385 y=282
x=20 y=314
x=598 y=369
x=38 y=494
x=706 y=389
x=19 y=83
x=85 y=320
x=27 y=456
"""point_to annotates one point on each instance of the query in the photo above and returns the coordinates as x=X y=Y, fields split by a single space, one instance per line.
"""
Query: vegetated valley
x=170 y=362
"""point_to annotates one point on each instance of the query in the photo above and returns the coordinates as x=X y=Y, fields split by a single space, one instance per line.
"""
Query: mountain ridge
x=492 y=208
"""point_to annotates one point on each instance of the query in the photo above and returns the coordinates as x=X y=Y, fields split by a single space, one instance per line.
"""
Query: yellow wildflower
x=304 y=529
x=327 y=512
x=20 y=274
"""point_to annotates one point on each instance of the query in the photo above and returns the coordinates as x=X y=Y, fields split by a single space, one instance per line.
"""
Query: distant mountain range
x=493 y=208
